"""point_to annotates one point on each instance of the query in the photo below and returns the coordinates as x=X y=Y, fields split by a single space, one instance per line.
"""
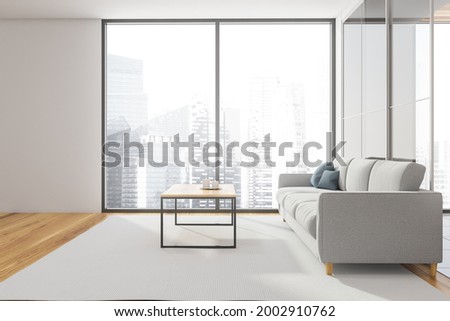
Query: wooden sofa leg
x=433 y=270
x=329 y=268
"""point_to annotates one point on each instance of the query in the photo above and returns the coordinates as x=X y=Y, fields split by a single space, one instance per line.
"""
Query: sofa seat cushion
x=306 y=216
x=285 y=191
x=292 y=201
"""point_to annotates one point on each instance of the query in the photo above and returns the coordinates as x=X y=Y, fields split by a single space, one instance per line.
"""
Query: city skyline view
x=264 y=91
x=139 y=184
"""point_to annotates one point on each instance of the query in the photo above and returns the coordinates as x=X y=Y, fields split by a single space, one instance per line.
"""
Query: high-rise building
x=230 y=132
x=296 y=97
x=120 y=180
x=276 y=108
x=264 y=96
x=125 y=95
x=192 y=119
x=442 y=170
x=127 y=109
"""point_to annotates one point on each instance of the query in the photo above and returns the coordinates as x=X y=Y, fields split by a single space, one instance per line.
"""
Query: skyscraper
x=194 y=119
x=276 y=108
x=230 y=132
x=127 y=109
x=125 y=96
x=442 y=170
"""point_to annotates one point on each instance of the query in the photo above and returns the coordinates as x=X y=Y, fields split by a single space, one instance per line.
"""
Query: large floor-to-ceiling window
x=193 y=83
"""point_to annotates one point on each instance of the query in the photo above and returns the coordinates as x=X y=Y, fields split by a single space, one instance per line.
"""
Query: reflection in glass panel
x=374 y=79
x=353 y=138
x=423 y=138
x=404 y=131
x=353 y=63
x=374 y=56
x=374 y=125
x=410 y=50
x=352 y=86
x=411 y=134
x=411 y=81
x=423 y=63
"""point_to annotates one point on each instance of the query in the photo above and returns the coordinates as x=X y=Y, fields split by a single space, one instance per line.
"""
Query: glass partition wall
x=352 y=95
x=410 y=101
x=442 y=101
x=387 y=90
x=364 y=114
x=396 y=100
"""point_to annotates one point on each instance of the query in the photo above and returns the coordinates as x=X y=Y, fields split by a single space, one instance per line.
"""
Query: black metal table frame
x=233 y=222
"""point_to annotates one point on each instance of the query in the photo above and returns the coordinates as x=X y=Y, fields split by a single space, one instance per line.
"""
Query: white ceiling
x=121 y=9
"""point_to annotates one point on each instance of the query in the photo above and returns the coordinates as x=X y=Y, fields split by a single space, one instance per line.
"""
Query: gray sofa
x=378 y=215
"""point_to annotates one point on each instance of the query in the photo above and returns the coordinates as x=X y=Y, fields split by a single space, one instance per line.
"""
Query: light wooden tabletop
x=196 y=191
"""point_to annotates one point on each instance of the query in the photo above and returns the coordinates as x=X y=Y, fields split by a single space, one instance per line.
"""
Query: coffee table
x=195 y=191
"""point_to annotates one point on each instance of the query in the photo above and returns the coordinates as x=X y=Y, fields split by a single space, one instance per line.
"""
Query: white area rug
x=121 y=259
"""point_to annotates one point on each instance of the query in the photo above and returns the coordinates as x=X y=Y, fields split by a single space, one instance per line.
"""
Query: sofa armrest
x=380 y=227
x=294 y=180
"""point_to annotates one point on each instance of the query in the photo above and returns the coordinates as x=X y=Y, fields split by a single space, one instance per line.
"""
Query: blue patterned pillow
x=329 y=180
x=319 y=171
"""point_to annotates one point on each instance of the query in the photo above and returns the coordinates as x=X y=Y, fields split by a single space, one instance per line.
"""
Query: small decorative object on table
x=210 y=184
x=206 y=183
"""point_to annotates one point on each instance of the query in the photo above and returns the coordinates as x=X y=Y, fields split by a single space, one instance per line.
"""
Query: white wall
x=50 y=115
